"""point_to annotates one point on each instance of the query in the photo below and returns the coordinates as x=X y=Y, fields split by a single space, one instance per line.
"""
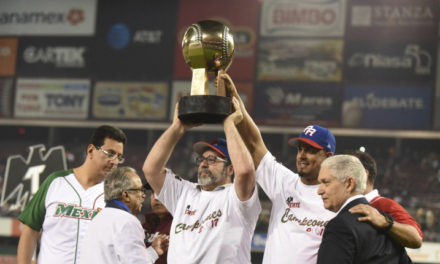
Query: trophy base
x=204 y=109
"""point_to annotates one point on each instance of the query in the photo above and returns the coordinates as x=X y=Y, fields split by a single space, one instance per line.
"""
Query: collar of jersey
x=218 y=188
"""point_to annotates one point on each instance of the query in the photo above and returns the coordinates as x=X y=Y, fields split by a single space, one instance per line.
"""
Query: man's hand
x=236 y=116
x=179 y=123
x=160 y=244
x=247 y=128
x=231 y=90
x=371 y=215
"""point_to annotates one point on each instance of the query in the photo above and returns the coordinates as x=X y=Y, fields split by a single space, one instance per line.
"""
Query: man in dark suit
x=342 y=181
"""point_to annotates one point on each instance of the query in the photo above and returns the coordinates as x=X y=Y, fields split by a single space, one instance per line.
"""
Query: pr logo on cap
x=309 y=131
x=316 y=136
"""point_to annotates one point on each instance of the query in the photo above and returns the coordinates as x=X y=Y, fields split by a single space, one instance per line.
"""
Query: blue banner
x=396 y=107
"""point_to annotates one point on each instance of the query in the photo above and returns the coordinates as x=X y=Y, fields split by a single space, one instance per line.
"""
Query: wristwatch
x=390 y=221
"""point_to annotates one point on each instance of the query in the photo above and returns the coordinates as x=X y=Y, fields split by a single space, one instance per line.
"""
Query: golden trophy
x=207 y=46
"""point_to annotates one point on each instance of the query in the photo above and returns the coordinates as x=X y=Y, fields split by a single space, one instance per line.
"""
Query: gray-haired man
x=342 y=181
x=115 y=235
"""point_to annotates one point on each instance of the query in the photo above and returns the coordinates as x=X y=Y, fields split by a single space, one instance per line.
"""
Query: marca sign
x=44 y=17
x=294 y=103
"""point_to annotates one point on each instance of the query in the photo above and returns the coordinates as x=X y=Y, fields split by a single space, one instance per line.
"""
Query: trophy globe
x=207 y=46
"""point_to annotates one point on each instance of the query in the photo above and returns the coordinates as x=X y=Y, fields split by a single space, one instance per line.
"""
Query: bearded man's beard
x=207 y=178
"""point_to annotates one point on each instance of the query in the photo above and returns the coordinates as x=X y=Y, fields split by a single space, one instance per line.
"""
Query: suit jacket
x=347 y=240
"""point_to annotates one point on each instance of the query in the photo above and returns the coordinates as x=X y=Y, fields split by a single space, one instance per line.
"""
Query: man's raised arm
x=160 y=153
x=241 y=159
x=247 y=127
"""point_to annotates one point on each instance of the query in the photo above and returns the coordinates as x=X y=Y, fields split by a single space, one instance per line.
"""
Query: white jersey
x=63 y=210
x=116 y=236
x=208 y=227
x=298 y=215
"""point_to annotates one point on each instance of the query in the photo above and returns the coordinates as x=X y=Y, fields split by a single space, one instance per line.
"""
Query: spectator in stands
x=430 y=220
x=158 y=222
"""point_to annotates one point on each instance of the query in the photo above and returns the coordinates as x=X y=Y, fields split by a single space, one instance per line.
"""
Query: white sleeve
x=272 y=176
x=172 y=189
x=249 y=209
x=151 y=255
x=130 y=246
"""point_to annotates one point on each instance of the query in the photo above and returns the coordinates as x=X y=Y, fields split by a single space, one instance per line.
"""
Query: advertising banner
x=130 y=100
x=429 y=252
x=179 y=89
x=6 y=91
x=300 y=60
x=54 y=57
x=297 y=104
x=393 y=19
x=396 y=107
x=8 y=56
x=390 y=61
x=135 y=40
x=320 y=18
x=52 y=98
x=242 y=19
x=47 y=18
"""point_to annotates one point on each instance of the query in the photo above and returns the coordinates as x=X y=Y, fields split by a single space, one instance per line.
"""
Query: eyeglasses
x=210 y=160
x=143 y=190
x=111 y=155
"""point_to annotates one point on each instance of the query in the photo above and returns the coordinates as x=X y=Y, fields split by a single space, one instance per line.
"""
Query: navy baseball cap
x=218 y=146
x=316 y=136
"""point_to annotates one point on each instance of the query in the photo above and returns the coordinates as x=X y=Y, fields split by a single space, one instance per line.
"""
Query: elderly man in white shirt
x=115 y=235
